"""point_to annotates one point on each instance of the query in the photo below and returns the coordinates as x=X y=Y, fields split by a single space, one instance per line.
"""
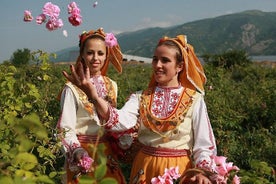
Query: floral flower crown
x=110 y=39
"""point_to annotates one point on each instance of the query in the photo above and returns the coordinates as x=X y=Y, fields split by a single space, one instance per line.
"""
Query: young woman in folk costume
x=175 y=130
x=79 y=123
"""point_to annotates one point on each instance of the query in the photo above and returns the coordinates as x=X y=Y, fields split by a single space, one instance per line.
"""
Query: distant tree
x=228 y=59
x=6 y=62
x=21 y=57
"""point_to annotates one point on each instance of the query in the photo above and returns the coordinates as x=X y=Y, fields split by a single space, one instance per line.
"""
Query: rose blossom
x=51 y=10
x=40 y=18
x=85 y=163
x=236 y=180
x=110 y=40
x=54 y=24
x=71 y=7
x=75 y=19
x=168 y=177
x=28 y=16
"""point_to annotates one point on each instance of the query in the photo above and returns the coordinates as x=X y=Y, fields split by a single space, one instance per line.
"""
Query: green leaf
x=84 y=179
x=6 y=180
x=108 y=181
x=28 y=105
x=27 y=161
x=25 y=145
x=46 y=77
x=100 y=171
x=24 y=173
x=45 y=179
x=23 y=180
x=52 y=174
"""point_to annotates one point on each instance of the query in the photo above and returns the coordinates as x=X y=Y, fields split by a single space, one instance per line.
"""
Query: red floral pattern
x=164 y=101
x=100 y=86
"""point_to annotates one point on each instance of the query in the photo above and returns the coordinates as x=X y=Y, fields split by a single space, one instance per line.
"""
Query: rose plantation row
x=240 y=97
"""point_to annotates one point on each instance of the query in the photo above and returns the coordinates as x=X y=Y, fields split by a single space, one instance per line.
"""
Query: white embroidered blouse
x=78 y=116
x=193 y=133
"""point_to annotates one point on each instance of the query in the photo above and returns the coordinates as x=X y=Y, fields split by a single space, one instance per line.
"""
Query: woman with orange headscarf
x=175 y=131
x=81 y=129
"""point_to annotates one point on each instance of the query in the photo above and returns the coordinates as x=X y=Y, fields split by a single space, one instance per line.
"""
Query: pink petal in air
x=95 y=4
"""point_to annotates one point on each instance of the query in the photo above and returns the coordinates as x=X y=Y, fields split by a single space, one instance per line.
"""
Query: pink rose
x=158 y=180
x=27 y=16
x=54 y=24
x=51 y=10
x=76 y=11
x=85 y=163
x=40 y=18
x=173 y=172
x=219 y=179
x=71 y=6
x=223 y=170
x=168 y=177
x=221 y=164
x=236 y=180
x=75 y=19
x=110 y=40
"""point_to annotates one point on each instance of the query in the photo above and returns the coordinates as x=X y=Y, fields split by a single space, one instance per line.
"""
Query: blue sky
x=113 y=15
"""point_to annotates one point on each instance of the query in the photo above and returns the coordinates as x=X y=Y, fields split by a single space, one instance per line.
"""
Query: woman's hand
x=196 y=176
x=200 y=179
x=80 y=162
x=81 y=78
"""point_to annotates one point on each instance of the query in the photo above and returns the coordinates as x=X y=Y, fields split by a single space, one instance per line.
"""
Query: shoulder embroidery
x=162 y=125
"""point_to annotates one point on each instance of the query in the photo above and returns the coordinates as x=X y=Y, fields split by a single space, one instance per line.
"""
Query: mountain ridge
x=253 y=31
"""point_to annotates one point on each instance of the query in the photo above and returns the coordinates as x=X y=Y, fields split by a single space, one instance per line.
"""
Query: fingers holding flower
x=80 y=162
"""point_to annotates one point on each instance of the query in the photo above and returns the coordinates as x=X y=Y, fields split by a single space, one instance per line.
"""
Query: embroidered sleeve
x=67 y=121
x=204 y=140
x=126 y=117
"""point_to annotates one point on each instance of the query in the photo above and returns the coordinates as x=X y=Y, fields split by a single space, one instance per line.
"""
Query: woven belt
x=90 y=138
x=165 y=152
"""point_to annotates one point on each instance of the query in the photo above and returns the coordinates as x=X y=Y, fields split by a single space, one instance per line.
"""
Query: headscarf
x=192 y=74
x=114 y=54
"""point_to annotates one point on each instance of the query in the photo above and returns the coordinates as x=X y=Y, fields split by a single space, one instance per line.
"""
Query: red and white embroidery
x=100 y=86
x=113 y=118
x=164 y=101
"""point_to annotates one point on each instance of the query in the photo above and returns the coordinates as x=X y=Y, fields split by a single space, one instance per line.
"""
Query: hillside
x=253 y=31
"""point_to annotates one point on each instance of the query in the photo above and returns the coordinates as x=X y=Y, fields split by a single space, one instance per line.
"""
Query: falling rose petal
x=95 y=4
x=65 y=33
